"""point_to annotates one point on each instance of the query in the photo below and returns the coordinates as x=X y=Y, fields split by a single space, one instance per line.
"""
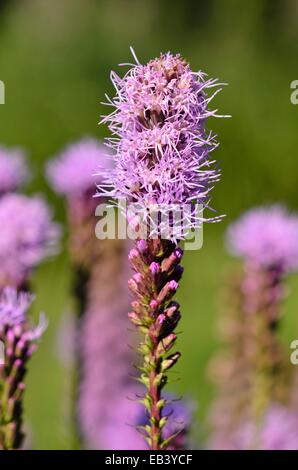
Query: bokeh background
x=55 y=59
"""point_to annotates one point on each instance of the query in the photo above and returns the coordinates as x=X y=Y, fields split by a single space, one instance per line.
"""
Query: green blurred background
x=55 y=59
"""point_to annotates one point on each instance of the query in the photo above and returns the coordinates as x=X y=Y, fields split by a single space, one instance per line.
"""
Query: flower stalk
x=157 y=271
x=100 y=291
x=256 y=372
x=161 y=154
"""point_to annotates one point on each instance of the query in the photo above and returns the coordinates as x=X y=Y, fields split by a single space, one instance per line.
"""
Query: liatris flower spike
x=27 y=236
x=101 y=378
x=267 y=240
x=161 y=157
x=19 y=338
x=13 y=169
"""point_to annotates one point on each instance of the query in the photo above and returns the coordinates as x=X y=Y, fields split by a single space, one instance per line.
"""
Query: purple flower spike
x=28 y=235
x=13 y=169
x=100 y=310
x=255 y=370
x=18 y=337
x=267 y=237
x=162 y=159
x=72 y=172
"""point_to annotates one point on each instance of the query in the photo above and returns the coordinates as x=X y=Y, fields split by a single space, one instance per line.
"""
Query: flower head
x=162 y=148
x=13 y=170
x=266 y=237
x=72 y=172
x=28 y=234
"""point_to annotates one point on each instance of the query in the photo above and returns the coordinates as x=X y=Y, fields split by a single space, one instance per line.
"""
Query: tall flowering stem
x=161 y=153
x=251 y=370
x=99 y=268
x=263 y=292
x=266 y=239
x=156 y=263
x=19 y=339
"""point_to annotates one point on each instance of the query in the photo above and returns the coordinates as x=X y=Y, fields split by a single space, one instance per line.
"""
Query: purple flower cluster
x=27 y=236
x=266 y=237
x=19 y=339
x=72 y=172
x=162 y=148
x=13 y=170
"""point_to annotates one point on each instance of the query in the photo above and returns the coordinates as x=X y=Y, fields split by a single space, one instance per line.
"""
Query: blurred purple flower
x=13 y=169
x=120 y=431
x=72 y=172
x=255 y=371
x=105 y=362
x=28 y=235
x=278 y=431
x=266 y=237
x=162 y=149
x=19 y=337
